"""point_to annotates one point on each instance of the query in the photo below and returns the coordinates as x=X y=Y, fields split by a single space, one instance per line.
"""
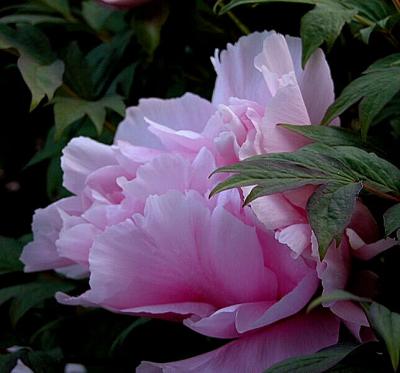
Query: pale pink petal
x=278 y=258
x=176 y=173
x=75 y=271
x=181 y=141
x=364 y=251
x=80 y=158
x=230 y=322
x=275 y=212
x=147 y=263
x=297 y=237
x=352 y=315
x=288 y=305
x=296 y=336
x=189 y=112
x=316 y=86
x=236 y=74
x=102 y=186
x=222 y=323
x=76 y=241
x=286 y=106
x=334 y=270
x=274 y=61
x=41 y=254
x=130 y=157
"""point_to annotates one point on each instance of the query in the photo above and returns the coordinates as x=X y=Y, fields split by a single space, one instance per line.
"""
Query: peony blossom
x=141 y=223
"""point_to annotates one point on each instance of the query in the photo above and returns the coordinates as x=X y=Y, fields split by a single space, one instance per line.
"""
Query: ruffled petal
x=80 y=158
x=189 y=112
x=41 y=254
x=296 y=336
x=236 y=74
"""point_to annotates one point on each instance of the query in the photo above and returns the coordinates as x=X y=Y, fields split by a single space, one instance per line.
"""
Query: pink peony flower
x=142 y=225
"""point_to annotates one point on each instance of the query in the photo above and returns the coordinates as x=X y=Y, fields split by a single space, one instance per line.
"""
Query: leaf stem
x=380 y=194
x=241 y=26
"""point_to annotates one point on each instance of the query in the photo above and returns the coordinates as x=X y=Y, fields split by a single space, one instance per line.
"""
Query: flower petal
x=299 y=335
x=189 y=112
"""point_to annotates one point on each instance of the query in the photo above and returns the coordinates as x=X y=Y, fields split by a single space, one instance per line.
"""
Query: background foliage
x=62 y=54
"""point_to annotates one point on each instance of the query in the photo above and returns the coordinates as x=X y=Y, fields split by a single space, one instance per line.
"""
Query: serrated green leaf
x=42 y=80
x=26 y=296
x=104 y=60
x=40 y=69
x=370 y=168
x=341 y=172
x=316 y=363
x=375 y=88
x=68 y=110
x=337 y=295
x=329 y=211
x=374 y=10
x=10 y=251
x=329 y=135
x=391 y=219
x=387 y=325
x=29 y=41
x=323 y=24
x=78 y=74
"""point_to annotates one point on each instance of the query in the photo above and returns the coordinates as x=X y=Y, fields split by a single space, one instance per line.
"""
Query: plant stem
x=380 y=194
x=241 y=26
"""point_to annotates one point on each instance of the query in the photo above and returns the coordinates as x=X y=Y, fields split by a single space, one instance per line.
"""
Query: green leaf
x=375 y=88
x=78 y=73
x=323 y=24
x=329 y=135
x=391 y=219
x=40 y=69
x=329 y=212
x=387 y=325
x=69 y=110
x=104 y=61
x=341 y=172
x=316 y=363
x=10 y=251
x=29 y=41
x=42 y=80
x=26 y=296
x=337 y=295
x=373 y=10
